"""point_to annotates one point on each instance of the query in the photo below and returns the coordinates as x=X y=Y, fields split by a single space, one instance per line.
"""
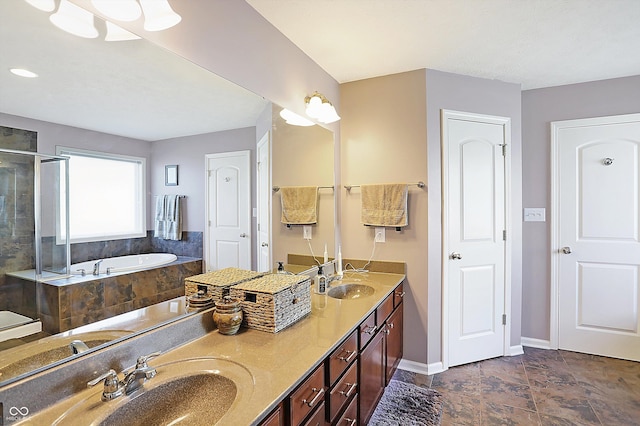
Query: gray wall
x=492 y=97
x=539 y=108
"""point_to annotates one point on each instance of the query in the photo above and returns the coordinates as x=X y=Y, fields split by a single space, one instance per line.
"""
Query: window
x=106 y=195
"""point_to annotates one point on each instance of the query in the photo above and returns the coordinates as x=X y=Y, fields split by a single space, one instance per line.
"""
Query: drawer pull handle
x=390 y=325
x=349 y=357
x=400 y=294
x=371 y=330
x=352 y=387
x=315 y=398
x=350 y=422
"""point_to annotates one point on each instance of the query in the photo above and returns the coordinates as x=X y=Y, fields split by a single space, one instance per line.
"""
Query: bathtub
x=136 y=262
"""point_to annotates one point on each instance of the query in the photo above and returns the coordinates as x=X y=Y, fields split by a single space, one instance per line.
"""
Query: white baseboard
x=420 y=368
x=516 y=350
x=535 y=343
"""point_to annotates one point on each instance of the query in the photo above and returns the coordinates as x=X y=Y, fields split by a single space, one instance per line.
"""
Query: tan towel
x=384 y=205
x=299 y=205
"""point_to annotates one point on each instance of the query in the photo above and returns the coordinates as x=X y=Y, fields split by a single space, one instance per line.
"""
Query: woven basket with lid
x=218 y=282
x=273 y=302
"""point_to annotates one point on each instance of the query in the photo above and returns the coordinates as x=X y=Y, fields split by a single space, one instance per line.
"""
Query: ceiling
x=133 y=88
x=537 y=43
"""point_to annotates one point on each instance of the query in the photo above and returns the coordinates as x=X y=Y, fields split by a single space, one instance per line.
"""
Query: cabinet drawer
x=340 y=359
x=367 y=330
x=350 y=415
x=343 y=391
x=308 y=396
x=317 y=419
x=385 y=309
x=398 y=295
x=275 y=419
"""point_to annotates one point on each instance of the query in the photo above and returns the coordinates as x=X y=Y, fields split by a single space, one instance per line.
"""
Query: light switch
x=534 y=214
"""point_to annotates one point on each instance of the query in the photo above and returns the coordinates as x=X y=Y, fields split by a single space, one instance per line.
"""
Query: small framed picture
x=171 y=175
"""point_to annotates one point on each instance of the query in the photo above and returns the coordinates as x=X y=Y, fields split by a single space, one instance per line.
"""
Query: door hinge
x=504 y=149
x=504 y=235
x=504 y=319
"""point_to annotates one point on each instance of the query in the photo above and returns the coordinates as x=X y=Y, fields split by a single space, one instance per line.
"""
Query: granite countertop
x=277 y=362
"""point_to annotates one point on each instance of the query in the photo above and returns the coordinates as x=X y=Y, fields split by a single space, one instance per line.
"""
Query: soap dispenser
x=281 y=268
x=320 y=282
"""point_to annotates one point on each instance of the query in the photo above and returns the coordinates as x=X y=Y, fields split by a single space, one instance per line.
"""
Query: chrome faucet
x=96 y=267
x=78 y=347
x=140 y=374
x=113 y=387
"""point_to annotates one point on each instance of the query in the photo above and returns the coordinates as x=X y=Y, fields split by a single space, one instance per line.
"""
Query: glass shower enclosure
x=34 y=225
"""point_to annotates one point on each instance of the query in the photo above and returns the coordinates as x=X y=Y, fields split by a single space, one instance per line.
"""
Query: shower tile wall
x=17 y=231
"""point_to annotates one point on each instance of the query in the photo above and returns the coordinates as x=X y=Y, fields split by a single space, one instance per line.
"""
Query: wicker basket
x=217 y=283
x=273 y=302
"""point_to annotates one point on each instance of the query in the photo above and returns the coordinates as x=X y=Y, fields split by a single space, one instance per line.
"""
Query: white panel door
x=474 y=184
x=228 y=211
x=264 y=204
x=598 y=220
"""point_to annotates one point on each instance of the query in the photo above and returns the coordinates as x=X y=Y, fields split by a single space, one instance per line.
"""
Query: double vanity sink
x=226 y=380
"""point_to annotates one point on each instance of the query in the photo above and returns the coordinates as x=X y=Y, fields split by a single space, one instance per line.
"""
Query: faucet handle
x=142 y=360
x=112 y=386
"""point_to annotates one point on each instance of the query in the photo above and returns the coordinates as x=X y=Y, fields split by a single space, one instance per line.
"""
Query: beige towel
x=384 y=205
x=299 y=205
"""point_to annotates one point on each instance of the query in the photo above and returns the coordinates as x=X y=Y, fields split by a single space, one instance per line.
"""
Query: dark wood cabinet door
x=372 y=376
x=394 y=341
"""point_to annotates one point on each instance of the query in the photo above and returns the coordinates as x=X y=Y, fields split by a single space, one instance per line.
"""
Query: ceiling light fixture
x=116 y=33
x=158 y=15
x=120 y=10
x=294 y=119
x=23 y=72
x=319 y=108
x=43 y=5
x=74 y=20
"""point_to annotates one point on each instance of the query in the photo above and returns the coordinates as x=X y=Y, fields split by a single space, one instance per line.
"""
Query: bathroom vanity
x=326 y=368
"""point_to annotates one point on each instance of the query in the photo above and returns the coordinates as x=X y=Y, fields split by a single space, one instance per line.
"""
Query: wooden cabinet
x=350 y=415
x=317 y=418
x=276 y=418
x=342 y=392
x=353 y=376
x=372 y=376
x=342 y=357
x=394 y=340
x=308 y=396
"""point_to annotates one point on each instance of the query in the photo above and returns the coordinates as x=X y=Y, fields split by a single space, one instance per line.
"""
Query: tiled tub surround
x=278 y=362
x=72 y=302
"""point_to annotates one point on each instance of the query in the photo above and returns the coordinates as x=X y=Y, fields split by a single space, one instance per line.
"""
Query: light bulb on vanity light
x=43 y=5
x=74 y=20
x=158 y=15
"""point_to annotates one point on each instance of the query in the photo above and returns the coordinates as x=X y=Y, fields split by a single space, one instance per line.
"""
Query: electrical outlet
x=380 y=236
x=306 y=232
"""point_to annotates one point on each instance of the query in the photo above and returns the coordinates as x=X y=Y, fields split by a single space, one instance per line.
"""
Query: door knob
x=265 y=245
x=456 y=256
x=566 y=250
x=243 y=235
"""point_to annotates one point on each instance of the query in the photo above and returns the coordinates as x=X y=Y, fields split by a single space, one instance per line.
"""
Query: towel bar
x=277 y=188
x=418 y=184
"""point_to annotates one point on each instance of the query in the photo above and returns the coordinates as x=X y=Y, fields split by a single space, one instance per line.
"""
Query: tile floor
x=541 y=387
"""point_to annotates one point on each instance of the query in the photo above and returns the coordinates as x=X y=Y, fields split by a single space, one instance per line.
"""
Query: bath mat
x=404 y=404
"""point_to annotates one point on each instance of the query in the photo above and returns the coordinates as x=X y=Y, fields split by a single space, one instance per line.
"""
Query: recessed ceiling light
x=23 y=73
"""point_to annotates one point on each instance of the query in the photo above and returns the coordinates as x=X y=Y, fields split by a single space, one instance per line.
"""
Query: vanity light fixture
x=116 y=33
x=158 y=15
x=74 y=20
x=294 y=119
x=320 y=108
x=23 y=72
x=43 y=5
x=120 y=10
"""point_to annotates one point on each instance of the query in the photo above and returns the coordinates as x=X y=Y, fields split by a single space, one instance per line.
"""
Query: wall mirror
x=141 y=94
